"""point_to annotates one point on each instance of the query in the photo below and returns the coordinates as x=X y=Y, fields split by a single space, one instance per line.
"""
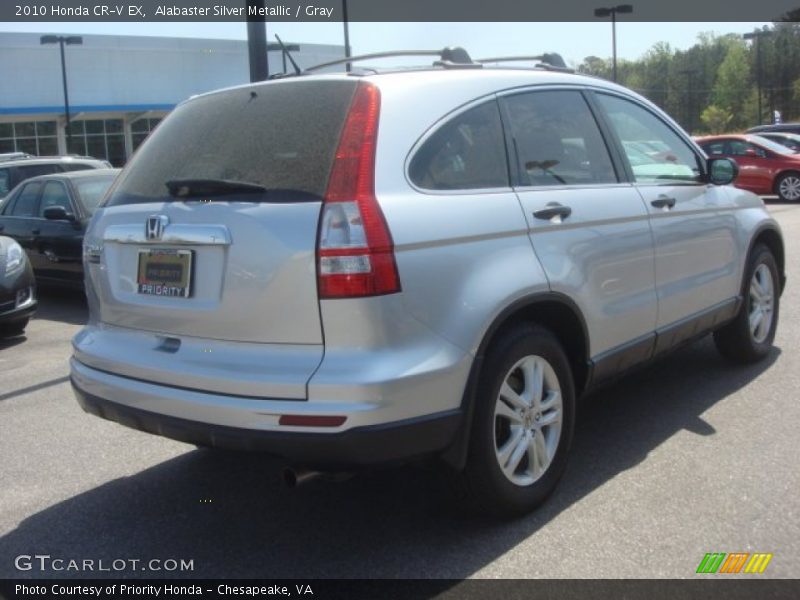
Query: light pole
x=756 y=37
x=71 y=40
x=346 y=34
x=612 y=11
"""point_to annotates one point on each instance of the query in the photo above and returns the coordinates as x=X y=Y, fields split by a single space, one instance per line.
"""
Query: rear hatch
x=210 y=231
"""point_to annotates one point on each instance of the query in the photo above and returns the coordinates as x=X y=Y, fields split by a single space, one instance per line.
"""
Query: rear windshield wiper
x=211 y=187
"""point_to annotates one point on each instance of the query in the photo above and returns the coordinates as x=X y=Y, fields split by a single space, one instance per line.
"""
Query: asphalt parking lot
x=686 y=457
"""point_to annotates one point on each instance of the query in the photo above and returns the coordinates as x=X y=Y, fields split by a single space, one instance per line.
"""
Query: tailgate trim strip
x=174 y=234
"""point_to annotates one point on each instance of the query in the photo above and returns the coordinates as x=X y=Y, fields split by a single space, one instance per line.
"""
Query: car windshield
x=91 y=190
x=773 y=146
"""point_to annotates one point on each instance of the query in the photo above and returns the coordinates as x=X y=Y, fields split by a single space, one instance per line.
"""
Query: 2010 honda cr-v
x=370 y=267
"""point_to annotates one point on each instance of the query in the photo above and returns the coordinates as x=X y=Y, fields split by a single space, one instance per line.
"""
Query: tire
x=513 y=424
x=748 y=338
x=14 y=328
x=787 y=186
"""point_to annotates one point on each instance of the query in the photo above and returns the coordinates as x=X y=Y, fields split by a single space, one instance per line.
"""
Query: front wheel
x=748 y=338
x=788 y=187
x=523 y=423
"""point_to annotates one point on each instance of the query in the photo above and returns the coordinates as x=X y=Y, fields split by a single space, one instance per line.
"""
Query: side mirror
x=58 y=213
x=722 y=171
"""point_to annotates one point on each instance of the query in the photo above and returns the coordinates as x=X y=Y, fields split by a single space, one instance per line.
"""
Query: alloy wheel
x=789 y=187
x=527 y=420
x=762 y=299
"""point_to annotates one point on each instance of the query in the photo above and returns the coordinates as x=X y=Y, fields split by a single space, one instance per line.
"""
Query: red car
x=765 y=167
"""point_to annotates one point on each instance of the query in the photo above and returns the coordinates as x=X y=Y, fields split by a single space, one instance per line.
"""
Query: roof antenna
x=288 y=55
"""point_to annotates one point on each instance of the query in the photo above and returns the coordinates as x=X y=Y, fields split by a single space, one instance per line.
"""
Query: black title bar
x=390 y=10
x=404 y=589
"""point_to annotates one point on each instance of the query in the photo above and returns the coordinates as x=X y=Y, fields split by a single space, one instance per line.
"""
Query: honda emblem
x=154 y=227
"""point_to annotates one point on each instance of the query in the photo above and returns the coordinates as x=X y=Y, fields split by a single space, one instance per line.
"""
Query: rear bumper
x=356 y=447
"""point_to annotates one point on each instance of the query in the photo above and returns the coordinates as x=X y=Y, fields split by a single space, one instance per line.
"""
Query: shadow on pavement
x=231 y=515
x=61 y=304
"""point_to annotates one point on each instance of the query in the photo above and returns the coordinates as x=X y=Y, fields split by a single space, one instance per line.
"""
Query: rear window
x=281 y=136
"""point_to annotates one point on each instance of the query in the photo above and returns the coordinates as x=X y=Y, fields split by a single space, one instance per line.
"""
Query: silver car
x=366 y=268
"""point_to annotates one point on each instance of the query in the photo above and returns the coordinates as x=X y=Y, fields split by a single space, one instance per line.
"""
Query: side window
x=54 y=194
x=655 y=152
x=466 y=153
x=5 y=182
x=714 y=148
x=34 y=170
x=742 y=148
x=557 y=140
x=25 y=206
x=76 y=167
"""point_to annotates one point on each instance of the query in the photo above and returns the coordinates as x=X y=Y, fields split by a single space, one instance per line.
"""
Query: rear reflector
x=355 y=251
x=311 y=420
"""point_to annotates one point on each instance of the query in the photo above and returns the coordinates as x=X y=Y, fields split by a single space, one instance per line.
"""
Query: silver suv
x=371 y=267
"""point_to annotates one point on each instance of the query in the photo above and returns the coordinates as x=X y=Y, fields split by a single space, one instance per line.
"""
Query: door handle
x=553 y=210
x=663 y=202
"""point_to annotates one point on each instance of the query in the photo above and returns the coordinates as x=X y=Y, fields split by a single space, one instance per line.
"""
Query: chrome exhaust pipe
x=293 y=478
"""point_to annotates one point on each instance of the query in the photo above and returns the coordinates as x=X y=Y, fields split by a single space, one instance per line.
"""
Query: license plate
x=165 y=272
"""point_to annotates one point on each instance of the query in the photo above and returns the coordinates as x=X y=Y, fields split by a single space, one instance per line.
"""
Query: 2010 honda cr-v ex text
x=370 y=267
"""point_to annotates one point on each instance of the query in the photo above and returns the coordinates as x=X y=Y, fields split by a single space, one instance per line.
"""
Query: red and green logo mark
x=735 y=562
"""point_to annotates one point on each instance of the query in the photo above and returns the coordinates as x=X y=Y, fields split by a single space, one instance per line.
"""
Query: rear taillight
x=355 y=252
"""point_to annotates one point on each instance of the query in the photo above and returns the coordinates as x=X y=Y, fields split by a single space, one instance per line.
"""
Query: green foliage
x=716 y=119
x=731 y=88
x=720 y=73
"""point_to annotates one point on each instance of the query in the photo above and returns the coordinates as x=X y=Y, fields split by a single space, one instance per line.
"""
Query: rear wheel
x=749 y=337
x=14 y=328
x=523 y=423
x=788 y=187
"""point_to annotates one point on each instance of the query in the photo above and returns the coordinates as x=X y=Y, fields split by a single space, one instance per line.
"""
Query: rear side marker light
x=311 y=420
x=355 y=251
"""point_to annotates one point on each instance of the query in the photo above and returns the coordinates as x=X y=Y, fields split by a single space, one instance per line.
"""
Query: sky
x=574 y=41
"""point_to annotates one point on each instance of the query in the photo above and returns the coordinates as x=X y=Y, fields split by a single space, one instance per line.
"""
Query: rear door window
x=557 y=140
x=466 y=153
x=279 y=135
x=742 y=148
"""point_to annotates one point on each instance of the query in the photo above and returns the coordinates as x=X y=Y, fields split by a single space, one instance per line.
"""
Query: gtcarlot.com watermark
x=45 y=563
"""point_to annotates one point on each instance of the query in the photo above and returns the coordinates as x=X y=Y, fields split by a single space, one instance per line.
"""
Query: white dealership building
x=119 y=87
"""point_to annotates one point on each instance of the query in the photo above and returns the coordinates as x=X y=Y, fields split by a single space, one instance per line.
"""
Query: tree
x=716 y=119
x=731 y=87
x=592 y=65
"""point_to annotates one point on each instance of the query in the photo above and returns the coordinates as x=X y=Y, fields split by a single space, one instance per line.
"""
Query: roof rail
x=548 y=60
x=6 y=156
x=447 y=57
